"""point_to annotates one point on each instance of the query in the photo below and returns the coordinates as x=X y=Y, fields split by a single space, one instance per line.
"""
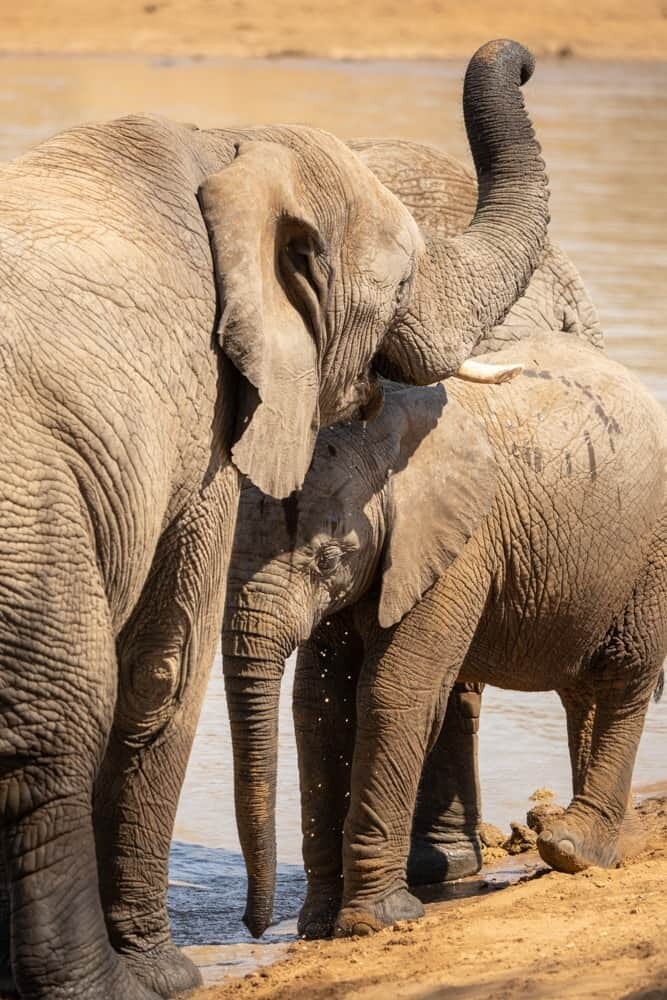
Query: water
x=603 y=128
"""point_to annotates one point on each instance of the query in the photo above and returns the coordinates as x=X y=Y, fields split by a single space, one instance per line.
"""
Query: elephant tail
x=660 y=686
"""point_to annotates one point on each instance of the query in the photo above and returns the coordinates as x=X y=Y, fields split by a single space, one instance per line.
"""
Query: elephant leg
x=6 y=976
x=579 y=705
x=445 y=839
x=165 y=653
x=623 y=675
x=59 y=665
x=402 y=695
x=324 y=721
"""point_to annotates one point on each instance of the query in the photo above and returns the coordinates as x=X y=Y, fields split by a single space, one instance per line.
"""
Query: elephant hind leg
x=165 y=654
x=623 y=675
x=579 y=705
x=7 y=984
x=58 y=664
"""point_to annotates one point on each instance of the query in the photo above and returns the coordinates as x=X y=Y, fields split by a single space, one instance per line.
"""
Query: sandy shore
x=610 y=29
x=600 y=934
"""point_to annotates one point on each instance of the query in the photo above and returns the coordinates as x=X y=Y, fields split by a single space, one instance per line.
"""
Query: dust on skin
x=598 y=934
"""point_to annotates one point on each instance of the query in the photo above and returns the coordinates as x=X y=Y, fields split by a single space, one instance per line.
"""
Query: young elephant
x=515 y=535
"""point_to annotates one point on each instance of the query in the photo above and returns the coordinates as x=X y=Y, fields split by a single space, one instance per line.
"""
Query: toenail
x=566 y=846
x=362 y=930
x=546 y=835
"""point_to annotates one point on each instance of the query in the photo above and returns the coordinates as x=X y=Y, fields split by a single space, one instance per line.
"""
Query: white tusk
x=478 y=371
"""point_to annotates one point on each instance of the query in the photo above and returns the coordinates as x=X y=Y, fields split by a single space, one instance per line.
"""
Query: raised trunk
x=253 y=695
x=466 y=285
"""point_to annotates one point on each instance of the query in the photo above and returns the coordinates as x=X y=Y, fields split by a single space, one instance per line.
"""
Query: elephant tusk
x=478 y=371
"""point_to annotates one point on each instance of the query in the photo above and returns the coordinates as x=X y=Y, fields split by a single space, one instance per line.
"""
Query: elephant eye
x=328 y=559
x=403 y=292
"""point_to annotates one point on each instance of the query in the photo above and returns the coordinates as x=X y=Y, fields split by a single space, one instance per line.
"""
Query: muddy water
x=603 y=127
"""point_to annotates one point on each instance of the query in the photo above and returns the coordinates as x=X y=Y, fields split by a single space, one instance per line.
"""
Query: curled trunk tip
x=504 y=52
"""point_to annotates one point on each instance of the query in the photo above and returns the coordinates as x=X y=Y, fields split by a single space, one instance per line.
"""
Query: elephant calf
x=515 y=535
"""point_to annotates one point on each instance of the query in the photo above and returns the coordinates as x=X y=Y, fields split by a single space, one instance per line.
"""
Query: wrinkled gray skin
x=131 y=251
x=441 y=194
x=515 y=535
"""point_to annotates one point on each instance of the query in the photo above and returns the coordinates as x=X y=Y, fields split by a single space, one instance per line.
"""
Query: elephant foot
x=570 y=844
x=166 y=970
x=633 y=837
x=120 y=983
x=124 y=984
x=318 y=913
x=430 y=863
x=356 y=920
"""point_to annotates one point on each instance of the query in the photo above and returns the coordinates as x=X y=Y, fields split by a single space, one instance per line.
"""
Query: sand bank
x=599 y=934
x=610 y=29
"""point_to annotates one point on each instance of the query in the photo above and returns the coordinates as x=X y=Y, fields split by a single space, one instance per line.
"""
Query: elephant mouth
x=374 y=401
x=363 y=401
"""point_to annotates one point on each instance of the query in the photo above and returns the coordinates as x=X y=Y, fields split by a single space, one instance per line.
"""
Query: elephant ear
x=441 y=489
x=272 y=291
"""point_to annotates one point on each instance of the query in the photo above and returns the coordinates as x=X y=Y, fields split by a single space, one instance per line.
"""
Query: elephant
x=513 y=535
x=441 y=195
x=181 y=307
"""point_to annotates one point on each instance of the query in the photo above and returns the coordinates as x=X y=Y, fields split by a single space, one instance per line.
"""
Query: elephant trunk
x=253 y=694
x=466 y=285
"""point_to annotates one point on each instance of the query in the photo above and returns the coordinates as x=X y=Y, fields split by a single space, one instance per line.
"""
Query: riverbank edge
x=597 y=934
x=340 y=30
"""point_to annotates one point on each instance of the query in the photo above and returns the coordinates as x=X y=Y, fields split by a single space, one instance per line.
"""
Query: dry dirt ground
x=600 y=934
x=612 y=29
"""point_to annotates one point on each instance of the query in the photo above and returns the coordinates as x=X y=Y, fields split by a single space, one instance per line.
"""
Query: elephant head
x=320 y=268
x=393 y=500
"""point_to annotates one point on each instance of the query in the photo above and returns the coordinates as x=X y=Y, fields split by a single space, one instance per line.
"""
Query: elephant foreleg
x=165 y=654
x=445 y=839
x=401 y=701
x=324 y=721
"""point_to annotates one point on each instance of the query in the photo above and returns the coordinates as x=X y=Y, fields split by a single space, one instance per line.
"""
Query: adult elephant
x=173 y=297
x=515 y=535
x=441 y=195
